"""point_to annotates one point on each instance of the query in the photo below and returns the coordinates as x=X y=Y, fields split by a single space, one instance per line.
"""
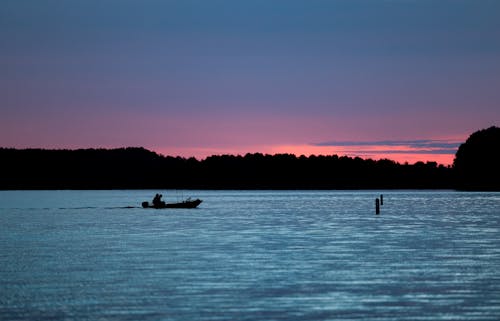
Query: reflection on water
x=250 y=255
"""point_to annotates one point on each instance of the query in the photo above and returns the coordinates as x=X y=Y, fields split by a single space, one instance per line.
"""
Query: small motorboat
x=188 y=203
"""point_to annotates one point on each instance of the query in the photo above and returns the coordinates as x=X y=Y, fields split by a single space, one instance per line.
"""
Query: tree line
x=139 y=168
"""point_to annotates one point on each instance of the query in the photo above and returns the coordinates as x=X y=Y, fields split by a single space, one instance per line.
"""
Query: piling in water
x=381 y=199
x=377 y=206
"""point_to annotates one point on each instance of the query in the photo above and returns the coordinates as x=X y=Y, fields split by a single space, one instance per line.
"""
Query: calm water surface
x=250 y=255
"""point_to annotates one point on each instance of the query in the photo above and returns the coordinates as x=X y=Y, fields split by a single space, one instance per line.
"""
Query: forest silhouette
x=477 y=161
x=475 y=168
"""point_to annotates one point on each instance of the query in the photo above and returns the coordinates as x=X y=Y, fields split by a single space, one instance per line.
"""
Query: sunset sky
x=407 y=80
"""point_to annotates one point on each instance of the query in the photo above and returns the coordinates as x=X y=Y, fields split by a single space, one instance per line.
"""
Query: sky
x=407 y=80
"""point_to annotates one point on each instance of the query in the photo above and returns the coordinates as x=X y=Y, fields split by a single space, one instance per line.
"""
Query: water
x=250 y=255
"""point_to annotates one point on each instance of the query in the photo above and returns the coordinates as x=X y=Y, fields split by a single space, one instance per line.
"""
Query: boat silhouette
x=188 y=203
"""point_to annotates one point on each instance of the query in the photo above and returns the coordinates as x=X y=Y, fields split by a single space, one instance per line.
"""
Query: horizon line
x=368 y=154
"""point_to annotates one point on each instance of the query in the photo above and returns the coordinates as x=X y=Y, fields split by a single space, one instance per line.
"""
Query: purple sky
x=403 y=79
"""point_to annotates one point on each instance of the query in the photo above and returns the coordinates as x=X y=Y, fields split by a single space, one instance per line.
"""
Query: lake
x=250 y=255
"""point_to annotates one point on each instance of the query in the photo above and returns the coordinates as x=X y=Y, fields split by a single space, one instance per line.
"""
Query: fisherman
x=157 y=200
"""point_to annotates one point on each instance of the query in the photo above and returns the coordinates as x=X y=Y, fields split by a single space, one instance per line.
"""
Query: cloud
x=403 y=151
x=419 y=146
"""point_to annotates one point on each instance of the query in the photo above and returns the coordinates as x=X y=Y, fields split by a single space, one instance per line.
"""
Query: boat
x=188 y=203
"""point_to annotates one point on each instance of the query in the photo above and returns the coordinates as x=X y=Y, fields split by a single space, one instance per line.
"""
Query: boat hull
x=183 y=204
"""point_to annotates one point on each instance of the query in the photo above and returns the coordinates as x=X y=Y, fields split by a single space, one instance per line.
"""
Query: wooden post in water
x=377 y=206
x=381 y=199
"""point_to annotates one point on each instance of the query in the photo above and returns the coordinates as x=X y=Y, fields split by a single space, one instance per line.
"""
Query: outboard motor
x=145 y=204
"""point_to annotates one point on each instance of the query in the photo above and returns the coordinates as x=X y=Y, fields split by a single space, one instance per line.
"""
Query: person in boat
x=157 y=200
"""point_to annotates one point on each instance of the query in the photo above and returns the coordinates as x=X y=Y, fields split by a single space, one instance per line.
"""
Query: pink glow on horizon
x=400 y=154
x=397 y=153
x=206 y=135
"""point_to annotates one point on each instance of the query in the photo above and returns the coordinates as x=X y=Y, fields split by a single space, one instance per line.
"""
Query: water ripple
x=259 y=255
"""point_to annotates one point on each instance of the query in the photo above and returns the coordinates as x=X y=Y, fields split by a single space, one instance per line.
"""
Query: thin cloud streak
x=442 y=151
x=415 y=144
x=422 y=151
